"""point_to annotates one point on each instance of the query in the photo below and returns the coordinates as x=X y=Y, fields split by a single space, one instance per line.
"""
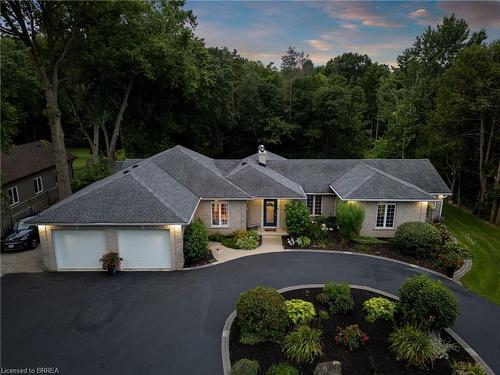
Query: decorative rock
x=328 y=368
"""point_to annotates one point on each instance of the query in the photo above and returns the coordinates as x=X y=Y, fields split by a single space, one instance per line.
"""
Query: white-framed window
x=220 y=214
x=37 y=181
x=13 y=195
x=386 y=213
x=315 y=204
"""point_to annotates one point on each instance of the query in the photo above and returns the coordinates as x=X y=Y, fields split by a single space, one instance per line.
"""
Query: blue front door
x=270 y=213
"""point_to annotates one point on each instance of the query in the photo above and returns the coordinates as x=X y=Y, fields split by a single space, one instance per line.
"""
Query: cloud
x=418 y=13
x=349 y=26
x=358 y=11
x=320 y=45
x=477 y=13
x=380 y=23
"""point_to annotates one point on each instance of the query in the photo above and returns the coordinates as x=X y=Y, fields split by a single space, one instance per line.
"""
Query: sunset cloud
x=419 y=13
x=319 y=44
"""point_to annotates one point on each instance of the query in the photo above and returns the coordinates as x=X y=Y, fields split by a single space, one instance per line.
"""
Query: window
x=13 y=195
x=314 y=203
x=219 y=214
x=385 y=215
x=37 y=181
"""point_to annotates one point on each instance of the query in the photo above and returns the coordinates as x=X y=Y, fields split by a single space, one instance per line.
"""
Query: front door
x=270 y=213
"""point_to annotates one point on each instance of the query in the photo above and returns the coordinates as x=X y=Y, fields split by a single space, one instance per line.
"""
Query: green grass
x=82 y=156
x=230 y=242
x=484 y=241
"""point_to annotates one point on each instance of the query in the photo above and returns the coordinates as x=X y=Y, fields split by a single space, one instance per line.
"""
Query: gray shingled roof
x=167 y=187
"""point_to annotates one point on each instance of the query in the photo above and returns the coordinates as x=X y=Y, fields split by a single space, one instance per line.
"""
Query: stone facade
x=49 y=254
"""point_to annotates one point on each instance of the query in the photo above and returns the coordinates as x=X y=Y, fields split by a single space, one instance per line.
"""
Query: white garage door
x=79 y=248
x=144 y=248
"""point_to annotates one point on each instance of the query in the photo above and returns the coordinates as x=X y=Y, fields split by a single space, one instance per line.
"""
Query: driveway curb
x=226 y=361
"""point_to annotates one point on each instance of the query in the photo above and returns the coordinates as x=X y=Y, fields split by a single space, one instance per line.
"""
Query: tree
x=48 y=30
x=351 y=66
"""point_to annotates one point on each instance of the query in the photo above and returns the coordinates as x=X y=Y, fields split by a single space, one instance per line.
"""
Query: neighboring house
x=29 y=182
x=141 y=211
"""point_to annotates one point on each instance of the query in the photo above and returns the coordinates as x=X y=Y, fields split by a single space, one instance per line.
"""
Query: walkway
x=270 y=244
x=171 y=322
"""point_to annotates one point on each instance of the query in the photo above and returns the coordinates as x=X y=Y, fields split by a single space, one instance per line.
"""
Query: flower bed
x=372 y=355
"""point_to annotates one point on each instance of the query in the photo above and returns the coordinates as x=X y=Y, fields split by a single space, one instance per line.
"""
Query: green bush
x=88 y=175
x=303 y=241
x=303 y=344
x=427 y=303
x=379 y=308
x=247 y=240
x=262 y=315
x=297 y=218
x=466 y=368
x=282 y=369
x=300 y=311
x=367 y=240
x=350 y=220
x=323 y=298
x=229 y=241
x=351 y=336
x=421 y=240
x=196 y=241
x=323 y=315
x=340 y=297
x=411 y=345
x=245 y=367
x=216 y=237
x=317 y=231
x=443 y=232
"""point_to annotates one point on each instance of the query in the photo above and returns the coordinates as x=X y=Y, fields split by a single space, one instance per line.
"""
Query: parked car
x=23 y=236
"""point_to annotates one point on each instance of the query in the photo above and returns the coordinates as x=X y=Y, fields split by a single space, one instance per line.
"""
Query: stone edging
x=466 y=267
x=226 y=361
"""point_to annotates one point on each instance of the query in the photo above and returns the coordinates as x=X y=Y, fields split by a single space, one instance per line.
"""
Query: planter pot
x=111 y=270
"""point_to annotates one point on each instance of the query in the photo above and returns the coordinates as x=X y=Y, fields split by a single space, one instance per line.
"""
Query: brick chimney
x=262 y=155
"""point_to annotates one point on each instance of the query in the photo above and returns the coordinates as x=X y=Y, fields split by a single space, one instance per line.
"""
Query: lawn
x=82 y=156
x=484 y=241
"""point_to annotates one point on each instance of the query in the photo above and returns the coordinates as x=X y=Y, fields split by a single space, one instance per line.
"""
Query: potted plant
x=111 y=262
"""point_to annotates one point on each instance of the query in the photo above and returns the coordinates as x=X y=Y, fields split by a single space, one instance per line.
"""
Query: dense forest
x=133 y=76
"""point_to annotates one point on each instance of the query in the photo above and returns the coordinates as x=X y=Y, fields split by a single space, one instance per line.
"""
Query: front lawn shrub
x=245 y=367
x=262 y=315
x=323 y=315
x=196 y=241
x=378 y=308
x=282 y=368
x=421 y=240
x=303 y=345
x=247 y=240
x=216 y=237
x=297 y=218
x=350 y=220
x=466 y=368
x=303 y=241
x=448 y=263
x=440 y=347
x=411 y=345
x=300 y=311
x=427 y=303
x=443 y=232
x=323 y=298
x=318 y=232
x=340 y=297
x=351 y=336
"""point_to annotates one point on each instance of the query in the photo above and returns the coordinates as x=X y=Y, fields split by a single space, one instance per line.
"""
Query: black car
x=23 y=236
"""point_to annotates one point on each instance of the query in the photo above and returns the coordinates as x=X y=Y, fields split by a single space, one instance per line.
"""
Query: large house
x=29 y=182
x=142 y=210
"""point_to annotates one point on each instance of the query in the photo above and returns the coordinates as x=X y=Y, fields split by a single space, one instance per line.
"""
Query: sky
x=263 y=30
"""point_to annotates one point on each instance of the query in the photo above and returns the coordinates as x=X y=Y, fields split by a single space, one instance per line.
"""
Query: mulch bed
x=386 y=250
x=208 y=260
x=374 y=358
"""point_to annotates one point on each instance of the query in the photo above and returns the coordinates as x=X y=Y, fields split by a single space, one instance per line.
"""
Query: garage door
x=144 y=248
x=79 y=248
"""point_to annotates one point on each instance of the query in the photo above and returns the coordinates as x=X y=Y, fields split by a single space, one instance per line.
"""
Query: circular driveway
x=171 y=322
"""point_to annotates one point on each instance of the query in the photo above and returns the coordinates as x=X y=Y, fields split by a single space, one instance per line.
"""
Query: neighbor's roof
x=27 y=159
x=166 y=188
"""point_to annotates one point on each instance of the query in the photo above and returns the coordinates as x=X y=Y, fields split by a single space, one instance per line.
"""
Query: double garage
x=81 y=248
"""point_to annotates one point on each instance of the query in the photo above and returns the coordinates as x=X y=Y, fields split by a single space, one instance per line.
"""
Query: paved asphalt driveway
x=171 y=322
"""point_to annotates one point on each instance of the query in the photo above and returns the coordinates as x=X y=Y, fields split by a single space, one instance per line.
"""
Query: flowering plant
x=291 y=241
x=351 y=336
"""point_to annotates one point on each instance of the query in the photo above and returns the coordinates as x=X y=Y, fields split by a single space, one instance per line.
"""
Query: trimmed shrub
x=297 y=218
x=216 y=237
x=411 y=345
x=467 y=368
x=303 y=241
x=247 y=240
x=340 y=297
x=351 y=336
x=323 y=315
x=323 y=298
x=317 y=232
x=300 y=311
x=350 y=220
x=303 y=344
x=282 y=368
x=196 y=241
x=245 y=367
x=262 y=315
x=421 y=240
x=379 y=308
x=427 y=303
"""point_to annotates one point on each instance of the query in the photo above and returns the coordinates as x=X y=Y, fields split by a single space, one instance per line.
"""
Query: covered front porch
x=267 y=216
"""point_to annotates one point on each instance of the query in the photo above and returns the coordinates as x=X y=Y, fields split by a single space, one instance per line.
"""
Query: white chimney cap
x=262 y=148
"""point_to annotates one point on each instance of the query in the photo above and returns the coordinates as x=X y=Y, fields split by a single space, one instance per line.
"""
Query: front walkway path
x=270 y=244
x=171 y=322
